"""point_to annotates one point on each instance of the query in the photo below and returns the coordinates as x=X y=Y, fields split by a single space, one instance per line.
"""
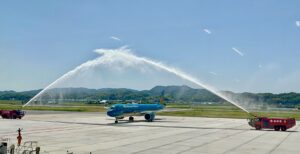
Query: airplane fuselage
x=121 y=110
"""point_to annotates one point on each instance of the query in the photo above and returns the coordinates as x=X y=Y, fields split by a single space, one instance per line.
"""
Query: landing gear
x=116 y=121
x=131 y=119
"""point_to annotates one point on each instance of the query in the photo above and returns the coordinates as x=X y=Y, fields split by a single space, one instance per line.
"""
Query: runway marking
x=30 y=130
x=95 y=126
x=276 y=146
x=153 y=139
x=134 y=124
x=227 y=136
x=176 y=141
x=183 y=139
x=254 y=138
x=42 y=130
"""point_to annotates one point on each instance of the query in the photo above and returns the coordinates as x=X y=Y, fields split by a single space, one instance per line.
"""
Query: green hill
x=171 y=94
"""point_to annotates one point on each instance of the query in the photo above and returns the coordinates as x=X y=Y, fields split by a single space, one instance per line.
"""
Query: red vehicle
x=272 y=123
x=12 y=114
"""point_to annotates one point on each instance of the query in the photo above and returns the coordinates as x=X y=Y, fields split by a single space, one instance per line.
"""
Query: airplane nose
x=110 y=113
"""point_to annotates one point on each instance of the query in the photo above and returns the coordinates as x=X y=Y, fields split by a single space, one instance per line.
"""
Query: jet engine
x=149 y=116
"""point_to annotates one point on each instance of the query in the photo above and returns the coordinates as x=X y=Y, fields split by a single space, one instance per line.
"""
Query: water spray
x=124 y=54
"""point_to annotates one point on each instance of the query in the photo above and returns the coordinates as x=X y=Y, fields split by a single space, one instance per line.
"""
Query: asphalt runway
x=84 y=133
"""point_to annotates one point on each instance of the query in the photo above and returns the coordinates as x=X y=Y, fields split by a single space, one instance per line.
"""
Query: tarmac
x=85 y=133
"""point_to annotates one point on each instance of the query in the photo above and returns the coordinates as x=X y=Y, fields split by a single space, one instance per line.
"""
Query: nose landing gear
x=131 y=119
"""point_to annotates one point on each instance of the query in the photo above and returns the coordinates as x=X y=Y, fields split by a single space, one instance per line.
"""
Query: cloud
x=260 y=66
x=115 y=38
x=237 y=51
x=213 y=73
x=207 y=31
x=298 y=23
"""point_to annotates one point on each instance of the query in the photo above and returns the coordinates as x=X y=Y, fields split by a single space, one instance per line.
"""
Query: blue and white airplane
x=119 y=111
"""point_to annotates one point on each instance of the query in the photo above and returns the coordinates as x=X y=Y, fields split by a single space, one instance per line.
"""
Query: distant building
x=103 y=101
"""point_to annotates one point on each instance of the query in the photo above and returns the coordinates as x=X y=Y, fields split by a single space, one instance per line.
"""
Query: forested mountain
x=171 y=94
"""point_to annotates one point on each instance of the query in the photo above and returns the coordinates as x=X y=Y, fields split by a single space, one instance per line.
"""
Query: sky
x=242 y=46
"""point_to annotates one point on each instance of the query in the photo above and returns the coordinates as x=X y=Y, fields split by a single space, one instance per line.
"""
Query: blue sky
x=42 y=40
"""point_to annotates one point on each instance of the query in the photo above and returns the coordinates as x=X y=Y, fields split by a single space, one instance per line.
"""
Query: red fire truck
x=272 y=123
x=12 y=114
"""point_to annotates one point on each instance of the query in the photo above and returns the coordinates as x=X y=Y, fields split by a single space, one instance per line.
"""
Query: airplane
x=119 y=111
